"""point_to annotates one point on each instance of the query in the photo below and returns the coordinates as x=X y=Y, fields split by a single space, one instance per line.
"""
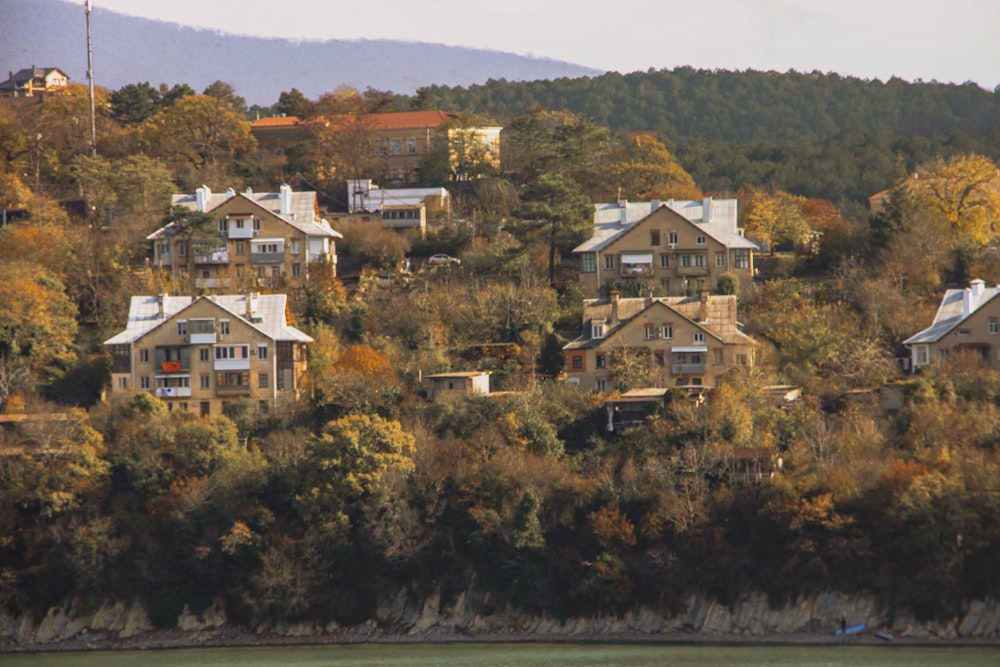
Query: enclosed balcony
x=636 y=265
x=211 y=255
x=688 y=360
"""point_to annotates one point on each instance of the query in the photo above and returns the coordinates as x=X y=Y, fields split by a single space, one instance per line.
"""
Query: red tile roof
x=399 y=120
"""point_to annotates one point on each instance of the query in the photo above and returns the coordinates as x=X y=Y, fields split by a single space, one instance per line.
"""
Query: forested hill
x=815 y=135
x=747 y=106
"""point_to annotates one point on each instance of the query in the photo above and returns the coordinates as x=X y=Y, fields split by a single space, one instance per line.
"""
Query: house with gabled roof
x=198 y=353
x=680 y=341
x=260 y=240
x=674 y=247
x=967 y=321
x=33 y=80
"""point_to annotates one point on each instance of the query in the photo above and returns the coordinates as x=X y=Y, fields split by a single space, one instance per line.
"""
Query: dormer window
x=597 y=330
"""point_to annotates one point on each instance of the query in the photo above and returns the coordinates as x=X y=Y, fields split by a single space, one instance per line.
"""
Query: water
x=521 y=655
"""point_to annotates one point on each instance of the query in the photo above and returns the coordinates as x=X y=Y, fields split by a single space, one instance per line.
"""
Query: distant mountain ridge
x=52 y=33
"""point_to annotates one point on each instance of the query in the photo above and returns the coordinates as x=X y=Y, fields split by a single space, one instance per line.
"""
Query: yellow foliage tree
x=964 y=191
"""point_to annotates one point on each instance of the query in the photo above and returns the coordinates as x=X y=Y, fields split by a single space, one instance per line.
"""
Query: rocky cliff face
x=401 y=617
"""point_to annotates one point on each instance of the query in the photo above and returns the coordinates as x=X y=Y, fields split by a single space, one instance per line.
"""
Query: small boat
x=854 y=629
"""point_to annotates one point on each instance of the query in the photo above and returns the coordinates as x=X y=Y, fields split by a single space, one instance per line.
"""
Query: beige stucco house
x=674 y=247
x=967 y=321
x=259 y=240
x=681 y=341
x=197 y=353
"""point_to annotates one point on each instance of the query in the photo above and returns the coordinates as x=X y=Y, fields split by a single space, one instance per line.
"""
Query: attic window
x=964 y=332
x=597 y=330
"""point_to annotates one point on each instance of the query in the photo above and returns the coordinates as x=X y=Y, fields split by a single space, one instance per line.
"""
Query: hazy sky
x=953 y=41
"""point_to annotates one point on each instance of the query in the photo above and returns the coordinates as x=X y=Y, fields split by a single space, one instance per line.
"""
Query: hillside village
x=294 y=367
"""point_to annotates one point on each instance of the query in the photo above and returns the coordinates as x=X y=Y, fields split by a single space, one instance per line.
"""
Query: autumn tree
x=644 y=169
x=964 y=191
x=774 y=218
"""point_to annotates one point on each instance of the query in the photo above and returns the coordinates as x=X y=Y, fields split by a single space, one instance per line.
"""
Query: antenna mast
x=90 y=76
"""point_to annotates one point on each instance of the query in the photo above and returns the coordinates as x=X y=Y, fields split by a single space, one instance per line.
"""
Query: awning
x=644 y=258
x=689 y=348
x=268 y=240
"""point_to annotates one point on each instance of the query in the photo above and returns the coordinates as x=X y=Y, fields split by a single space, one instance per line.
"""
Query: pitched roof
x=144 y=315
x=721 y=224
x=720 y=321
x=957 y=305
x=302 y=216
x=396 y=120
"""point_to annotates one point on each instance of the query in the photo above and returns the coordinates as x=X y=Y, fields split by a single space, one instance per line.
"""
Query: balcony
x=636 y=270
x=211 y=282
x=173 y=392
x=211 y=256
x=168 y=367
x=267 y=257
x=233 y=390
x=692 y=270
x=223 y=365
x=687 y=369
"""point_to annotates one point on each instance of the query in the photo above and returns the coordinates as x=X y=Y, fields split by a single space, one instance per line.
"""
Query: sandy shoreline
x=239 y=637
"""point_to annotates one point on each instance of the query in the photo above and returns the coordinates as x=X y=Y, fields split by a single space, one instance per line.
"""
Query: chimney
x=161 y=305
x=230 y=193
x=285 y=195
x=613 y=296
x=706 y=209
x=251 y=305
x=653 y=205
x=703 y=308
x=622 y=212
x=202 y=195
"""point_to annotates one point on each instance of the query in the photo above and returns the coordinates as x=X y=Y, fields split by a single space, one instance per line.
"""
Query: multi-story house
x=680 y=341
x=967 y=321
x=675 y=247
x=401 y=139
x=259 y=240
x=32 y=81
x=197 y=353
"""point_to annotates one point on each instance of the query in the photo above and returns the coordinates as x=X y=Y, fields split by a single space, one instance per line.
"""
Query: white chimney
x=285 y=195
x=230 y=193
x=653 y=205
x=202 y=196
x=161 y=303
x=706 y=209
x=622 y=212
x=966 y=301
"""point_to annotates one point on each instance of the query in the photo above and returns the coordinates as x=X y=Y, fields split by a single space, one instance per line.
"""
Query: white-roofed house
x=197 y=353
x=678 y=247
x=260 y=240
x=967 y=321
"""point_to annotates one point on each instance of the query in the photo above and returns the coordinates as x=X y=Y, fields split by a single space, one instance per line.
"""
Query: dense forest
x=367 y=490
x=813 y=134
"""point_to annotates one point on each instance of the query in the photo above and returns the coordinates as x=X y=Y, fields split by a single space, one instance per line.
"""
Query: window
x=123 y=383
x=609 y=262
x=206 y=382
x=256 y=225
x=223 y=226
x=202 y=327
x=411 y=146
x=720 y=259
x=700 y=260
x=652 y=331
x=296 y=247
x=994 y=327
x=685 y=260
x=576 y=362
x=700 y=239
x=601 y=360
x=668 y=331
x=241 y=247
x=716 y=357
x=268 y=248
x=741 y=359
x=922 y=355
x=262 y=380
x=664 y=261
x=397 y=147
x=597 y=330
x=224 y=327
x=263 y=407
x=672 y=239
x=205 y=408
x=654 y=237
x=203 y=354
x=144 y=382
x=588 y=262
x=602 y=386
x=964 y=332
x=182 y=328
x=223 y=352
x=144 y=356
x=182 y=249
x=699 y=337
x=262 y=351
x=296 y=270
x=741 y=258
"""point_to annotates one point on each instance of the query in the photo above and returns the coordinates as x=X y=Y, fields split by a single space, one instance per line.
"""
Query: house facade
x=967 y=322
x=445 y=386
x=198 y=353
x=32 y=81
x=673 y=247
x=673 y=341
x=402 y=140
x=258 y=241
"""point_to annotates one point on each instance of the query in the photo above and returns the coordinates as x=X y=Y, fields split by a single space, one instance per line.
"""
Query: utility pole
x=90 y=75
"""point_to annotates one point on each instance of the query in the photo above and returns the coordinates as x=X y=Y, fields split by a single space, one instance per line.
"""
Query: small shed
x=633 y=407
x=755 y=464
x=443 y=386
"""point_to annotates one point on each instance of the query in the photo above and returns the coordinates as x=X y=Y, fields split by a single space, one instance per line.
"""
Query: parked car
x=443 y=260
